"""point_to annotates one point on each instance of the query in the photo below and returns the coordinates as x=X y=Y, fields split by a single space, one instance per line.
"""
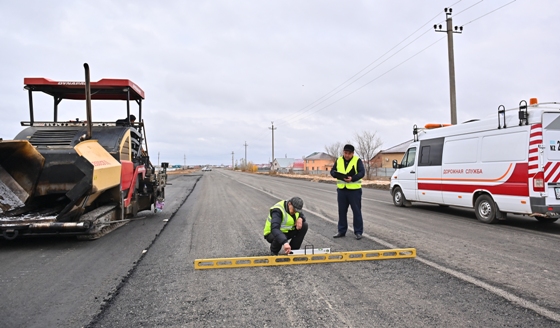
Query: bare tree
x=335 y=150
x=366 y=146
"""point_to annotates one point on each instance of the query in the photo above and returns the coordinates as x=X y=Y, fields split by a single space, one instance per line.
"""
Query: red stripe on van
x=555 y=179
x=516 y=185
x=551 y=172
x=534 y=143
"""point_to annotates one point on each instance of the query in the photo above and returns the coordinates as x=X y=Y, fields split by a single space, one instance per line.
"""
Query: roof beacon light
x=533 y=101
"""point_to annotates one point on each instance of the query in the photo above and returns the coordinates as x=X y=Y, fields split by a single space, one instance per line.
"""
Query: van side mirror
x=395 y=164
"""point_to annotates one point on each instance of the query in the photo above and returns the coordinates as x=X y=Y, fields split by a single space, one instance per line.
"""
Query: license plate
x=557 y=192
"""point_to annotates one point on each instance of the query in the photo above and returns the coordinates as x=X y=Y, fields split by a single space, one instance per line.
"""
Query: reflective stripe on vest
x=288 y=222
x=353 y=164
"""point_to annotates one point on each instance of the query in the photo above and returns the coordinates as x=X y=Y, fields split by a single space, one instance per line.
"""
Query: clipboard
x=340 y=176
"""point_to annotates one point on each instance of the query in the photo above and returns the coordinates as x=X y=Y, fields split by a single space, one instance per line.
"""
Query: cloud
x=216 y=74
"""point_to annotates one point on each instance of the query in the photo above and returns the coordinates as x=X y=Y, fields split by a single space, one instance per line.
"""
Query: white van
x=509 y=163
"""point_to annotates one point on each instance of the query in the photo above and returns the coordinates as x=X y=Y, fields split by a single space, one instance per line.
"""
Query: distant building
x=298 y=166
x=384 y=158
x=318 y=163
x=282 y=165
x=263 y=167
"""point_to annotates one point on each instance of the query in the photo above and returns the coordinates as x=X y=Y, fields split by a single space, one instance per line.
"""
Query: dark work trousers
x=295 y=235
x=352 y=197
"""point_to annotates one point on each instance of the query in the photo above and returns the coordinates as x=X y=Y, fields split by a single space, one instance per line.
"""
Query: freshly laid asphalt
x=224 y=217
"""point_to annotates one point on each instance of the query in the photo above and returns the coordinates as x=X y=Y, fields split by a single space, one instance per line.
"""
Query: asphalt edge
x=108 y=301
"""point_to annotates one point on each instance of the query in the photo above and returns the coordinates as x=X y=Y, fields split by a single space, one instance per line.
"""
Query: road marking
x=493 y=289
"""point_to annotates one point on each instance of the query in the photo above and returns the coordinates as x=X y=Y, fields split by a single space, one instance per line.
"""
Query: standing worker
x=285 y=221
x=349 y=170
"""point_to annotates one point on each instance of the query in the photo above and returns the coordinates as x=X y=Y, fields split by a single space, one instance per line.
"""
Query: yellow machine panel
x=106 y=169
x=125 y=153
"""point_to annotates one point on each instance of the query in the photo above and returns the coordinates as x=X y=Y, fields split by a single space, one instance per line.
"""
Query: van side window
x=431 y=152
x=409 y=157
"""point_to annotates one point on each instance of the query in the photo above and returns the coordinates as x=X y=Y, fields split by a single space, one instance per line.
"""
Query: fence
x=382 y=171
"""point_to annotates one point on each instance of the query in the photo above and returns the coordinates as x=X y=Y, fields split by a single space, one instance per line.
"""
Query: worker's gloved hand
x=299 y=223
x=287 y=248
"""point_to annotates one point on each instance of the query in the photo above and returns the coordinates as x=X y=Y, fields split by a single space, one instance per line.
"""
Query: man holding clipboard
x=349 y=171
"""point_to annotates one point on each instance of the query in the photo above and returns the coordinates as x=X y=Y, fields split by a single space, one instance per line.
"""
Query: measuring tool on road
x=309 y=249
x=305 y=258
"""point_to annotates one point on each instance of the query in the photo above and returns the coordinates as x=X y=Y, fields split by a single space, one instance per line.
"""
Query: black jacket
x=276 y=222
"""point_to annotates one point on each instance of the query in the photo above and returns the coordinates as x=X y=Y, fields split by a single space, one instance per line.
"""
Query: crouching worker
x=285 y=221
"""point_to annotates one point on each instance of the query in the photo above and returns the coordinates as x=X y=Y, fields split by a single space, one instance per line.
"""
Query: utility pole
x=158 y=158
x=451 y=57
x=232 y=167
x=185 y=161
x=272 y=128
x=245 y=165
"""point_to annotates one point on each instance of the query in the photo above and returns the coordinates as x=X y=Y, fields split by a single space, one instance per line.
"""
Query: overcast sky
x=217 y=73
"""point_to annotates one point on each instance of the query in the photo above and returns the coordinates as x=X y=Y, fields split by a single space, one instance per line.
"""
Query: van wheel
x=485 y=209
x=398 y=197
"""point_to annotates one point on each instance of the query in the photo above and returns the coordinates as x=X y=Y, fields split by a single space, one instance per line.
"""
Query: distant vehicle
x=207 y=168
x=513 y=167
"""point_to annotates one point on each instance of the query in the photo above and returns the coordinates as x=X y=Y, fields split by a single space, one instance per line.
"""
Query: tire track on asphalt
x=493 y=289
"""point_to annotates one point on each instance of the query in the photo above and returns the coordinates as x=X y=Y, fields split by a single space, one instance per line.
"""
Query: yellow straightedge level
x=243 y=262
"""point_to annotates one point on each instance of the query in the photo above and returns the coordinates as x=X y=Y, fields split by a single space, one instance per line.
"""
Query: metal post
x=451 y=59
x=272 y=128
x=128 y=105
x=245 y=164
x=31 y=118
x=232 y=166
x=88 y=102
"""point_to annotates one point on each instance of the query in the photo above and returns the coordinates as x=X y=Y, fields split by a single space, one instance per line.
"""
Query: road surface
x=467 y=274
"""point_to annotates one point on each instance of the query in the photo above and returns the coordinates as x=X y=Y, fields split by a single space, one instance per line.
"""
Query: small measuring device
x=309 y=250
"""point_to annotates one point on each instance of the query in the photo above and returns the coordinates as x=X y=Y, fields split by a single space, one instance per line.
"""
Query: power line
x=349 y=79
x=306 y=111
x=375 y=79
x=488 y=13
x=378 y=65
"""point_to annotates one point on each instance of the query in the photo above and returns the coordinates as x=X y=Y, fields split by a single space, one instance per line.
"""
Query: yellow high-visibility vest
x=288 y=221
x=353 y=165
